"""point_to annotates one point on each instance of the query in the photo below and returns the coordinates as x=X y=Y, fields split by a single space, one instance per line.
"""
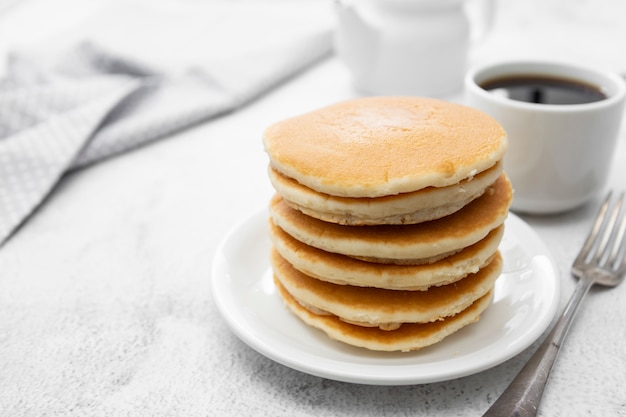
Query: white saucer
x=525 y=301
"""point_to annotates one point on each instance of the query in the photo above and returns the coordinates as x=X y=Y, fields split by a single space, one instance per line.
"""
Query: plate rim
x=365 y=375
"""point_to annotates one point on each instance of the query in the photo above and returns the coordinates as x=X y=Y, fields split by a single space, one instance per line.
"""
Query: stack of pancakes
x=387 y=218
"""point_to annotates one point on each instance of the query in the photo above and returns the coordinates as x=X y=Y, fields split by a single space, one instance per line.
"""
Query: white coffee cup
x=559 y=155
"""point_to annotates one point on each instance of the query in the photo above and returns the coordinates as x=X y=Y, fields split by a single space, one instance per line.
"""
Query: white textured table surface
x=105 y=306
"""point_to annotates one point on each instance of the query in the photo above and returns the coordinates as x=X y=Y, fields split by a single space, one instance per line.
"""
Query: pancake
x=407 y=208
x=410 y=336
x=341 y=269
x=401 y=244
x=387 y=309
x=379 y=146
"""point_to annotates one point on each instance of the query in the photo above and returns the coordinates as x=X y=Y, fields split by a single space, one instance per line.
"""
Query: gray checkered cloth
x=95 y=104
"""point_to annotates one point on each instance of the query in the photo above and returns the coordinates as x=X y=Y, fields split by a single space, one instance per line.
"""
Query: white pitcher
x=404 y=47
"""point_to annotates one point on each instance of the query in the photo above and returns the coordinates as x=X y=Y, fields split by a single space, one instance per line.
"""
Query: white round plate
x=524 y=303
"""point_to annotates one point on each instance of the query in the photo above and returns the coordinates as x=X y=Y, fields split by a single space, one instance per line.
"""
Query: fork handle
x=522 y=397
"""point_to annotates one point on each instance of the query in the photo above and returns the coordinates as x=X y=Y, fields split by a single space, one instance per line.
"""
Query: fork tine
x=601 y=256
x=595 y=231
x=619 y=246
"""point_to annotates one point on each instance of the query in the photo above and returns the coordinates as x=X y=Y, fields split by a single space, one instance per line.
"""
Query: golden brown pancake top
x=376 y=146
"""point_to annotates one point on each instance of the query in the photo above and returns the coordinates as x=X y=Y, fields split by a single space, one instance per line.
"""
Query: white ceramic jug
x=404 y=47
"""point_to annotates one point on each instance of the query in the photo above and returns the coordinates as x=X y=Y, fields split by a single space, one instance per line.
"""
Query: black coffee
x=544 y=90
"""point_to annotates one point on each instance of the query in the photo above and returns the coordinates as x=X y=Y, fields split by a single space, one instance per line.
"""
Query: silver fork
x=602 y=260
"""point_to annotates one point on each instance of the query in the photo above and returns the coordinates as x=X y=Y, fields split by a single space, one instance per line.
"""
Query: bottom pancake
x=410 y=336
